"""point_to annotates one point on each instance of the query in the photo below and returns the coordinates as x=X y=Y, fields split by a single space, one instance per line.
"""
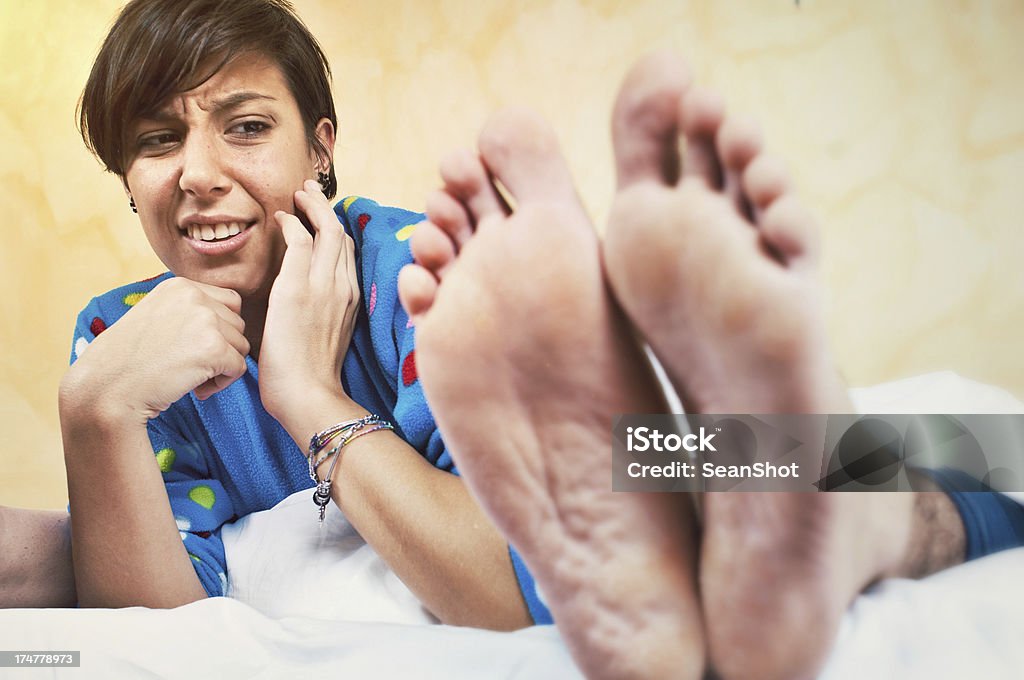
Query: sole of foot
x=712 y=257
x=525 y=359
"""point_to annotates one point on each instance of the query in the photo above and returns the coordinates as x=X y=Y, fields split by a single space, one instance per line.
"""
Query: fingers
x=230 y=362
x=347 y=273
x=234 y=336
x=295 y=266
x=227 y=304
x=329 y=243
x=214 y=385
x=224 y=301
x=225 y=296
x=332 y=259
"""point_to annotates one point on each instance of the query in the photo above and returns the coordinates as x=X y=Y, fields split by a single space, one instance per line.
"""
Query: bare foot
x=712 y=257
x=525 y=360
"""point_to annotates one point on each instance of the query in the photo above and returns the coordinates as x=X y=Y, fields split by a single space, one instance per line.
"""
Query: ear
x=324 y=133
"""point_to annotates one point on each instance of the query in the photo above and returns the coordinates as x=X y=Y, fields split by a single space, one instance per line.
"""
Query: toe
x=738 y=142
x=645 y=121
x=790 y=229
x=450 y=215
x=417 y=288
x=764 y=180
x=467 y=181
x=702 y=115
x=520 y=150
x=432 y=248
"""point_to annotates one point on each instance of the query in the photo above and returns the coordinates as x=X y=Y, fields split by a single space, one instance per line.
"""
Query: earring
x=325 y=181
x=131 y=204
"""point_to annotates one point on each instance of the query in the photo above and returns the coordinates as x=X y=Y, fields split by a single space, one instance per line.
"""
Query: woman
x=192 y=396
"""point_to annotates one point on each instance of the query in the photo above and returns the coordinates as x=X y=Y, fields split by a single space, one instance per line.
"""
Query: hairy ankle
x=937 y=538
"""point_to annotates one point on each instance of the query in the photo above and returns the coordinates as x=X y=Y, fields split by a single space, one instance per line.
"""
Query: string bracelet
x=348 y=431
x=346 y=435
x=344 y=442
x=321 y=439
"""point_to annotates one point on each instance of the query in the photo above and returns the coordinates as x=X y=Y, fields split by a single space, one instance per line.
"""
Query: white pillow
x=282 y=563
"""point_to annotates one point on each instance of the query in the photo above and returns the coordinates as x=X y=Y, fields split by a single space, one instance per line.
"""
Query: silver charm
x=321 y=497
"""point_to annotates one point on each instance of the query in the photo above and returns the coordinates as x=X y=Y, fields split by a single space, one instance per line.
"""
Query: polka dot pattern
x=405 y=233
x=373 y=298
x=80 y=346
x=165 y=458
x=202 y=495
x=409 y=369
x=363 y=220
x=132 y=299
x=97 y=326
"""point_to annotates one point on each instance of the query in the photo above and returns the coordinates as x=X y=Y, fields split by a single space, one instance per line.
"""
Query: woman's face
x=211 y=168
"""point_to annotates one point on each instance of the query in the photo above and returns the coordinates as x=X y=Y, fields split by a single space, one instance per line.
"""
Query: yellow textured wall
x=903 y=122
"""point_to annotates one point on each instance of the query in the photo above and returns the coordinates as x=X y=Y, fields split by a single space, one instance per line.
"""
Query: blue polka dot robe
x=226 y=457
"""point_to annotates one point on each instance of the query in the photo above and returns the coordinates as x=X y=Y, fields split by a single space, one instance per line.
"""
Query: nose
x=202 y=168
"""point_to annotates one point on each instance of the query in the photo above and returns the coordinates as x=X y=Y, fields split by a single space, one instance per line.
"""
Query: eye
x=249 y=129
x=158 y=140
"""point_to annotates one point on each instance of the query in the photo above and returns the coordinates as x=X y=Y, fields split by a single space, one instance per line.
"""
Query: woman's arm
x=420 y=519
x=126 y=545
x=35 y=559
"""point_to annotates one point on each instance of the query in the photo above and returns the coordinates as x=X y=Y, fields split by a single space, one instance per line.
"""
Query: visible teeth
x=214 y=232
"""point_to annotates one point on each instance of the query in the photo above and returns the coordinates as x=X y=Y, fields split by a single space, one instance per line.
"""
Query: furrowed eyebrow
x=236 y=99
x=231 y=101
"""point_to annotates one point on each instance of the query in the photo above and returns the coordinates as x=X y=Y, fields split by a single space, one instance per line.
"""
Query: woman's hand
x=182 y=336
x=312 y=310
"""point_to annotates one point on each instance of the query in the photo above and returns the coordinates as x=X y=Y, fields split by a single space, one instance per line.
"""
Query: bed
x=278 y=621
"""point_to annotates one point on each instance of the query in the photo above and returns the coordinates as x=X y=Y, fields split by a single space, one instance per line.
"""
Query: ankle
x=937 y=540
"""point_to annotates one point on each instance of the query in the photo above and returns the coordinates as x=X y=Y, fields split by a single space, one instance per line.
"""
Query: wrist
x=83 y=401
x=318 y=411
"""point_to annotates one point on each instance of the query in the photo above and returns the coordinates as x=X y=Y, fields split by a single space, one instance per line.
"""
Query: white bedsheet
x=224 y=638
x=307 y=602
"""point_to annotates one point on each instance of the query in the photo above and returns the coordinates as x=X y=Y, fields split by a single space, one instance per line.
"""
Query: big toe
x=521 y=151
x=645 y=121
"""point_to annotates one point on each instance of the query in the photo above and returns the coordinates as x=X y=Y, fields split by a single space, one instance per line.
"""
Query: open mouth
x=213 y=233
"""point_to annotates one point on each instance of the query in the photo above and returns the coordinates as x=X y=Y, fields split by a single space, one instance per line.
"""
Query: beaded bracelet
x=349 y=430
x=346 y=434
x=320 y=440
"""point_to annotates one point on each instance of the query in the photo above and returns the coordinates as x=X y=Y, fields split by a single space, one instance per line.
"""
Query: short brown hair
x=158 y=48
